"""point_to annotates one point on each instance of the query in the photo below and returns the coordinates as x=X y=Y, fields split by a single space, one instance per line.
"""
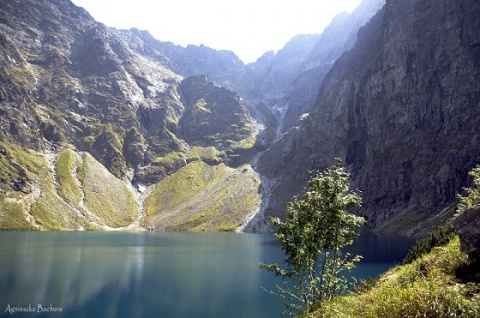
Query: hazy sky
x=247 y=27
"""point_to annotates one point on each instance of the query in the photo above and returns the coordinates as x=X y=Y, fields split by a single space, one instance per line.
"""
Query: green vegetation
x=436 y=280
x=133 y=147
x=180 y=187
x=427 y=287
x=204 y=153
x=207 y=154
x=247 y=143
x=203 y=197
x=11 y=215
x=202 y=105
x=55 y=201
x=106 y=197
x=57 y=206
x=170 y=159
x=49 y=209
x=47 y=217
x=172 y=121
x=442 y=235
x=109 y=147
x=25 y=169
x=18 y=166
x=472 y=196
x=317 y=229
x=40 y=198
x=67 y=186
x=21 y=77
x=89 y=140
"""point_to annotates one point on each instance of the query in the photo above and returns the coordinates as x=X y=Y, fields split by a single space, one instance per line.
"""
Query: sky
x=249 y=28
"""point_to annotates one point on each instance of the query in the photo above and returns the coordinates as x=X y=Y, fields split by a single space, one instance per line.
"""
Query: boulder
x=468 y=227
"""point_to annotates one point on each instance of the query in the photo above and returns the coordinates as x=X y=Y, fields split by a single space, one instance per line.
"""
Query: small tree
x=472 y=196
x=317 y=228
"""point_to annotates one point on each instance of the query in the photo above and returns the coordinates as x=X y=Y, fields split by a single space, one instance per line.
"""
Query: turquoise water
x=105 y=274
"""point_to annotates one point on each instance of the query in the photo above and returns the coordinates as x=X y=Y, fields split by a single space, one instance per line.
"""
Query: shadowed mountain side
x=402 y=110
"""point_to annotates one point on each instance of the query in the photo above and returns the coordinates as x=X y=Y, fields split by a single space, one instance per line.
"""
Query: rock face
x=289 y=80
x=214 y=116
x=468 y=227
x=339 y=37
x=402 y=111
x=223 y=68
x=273 y=73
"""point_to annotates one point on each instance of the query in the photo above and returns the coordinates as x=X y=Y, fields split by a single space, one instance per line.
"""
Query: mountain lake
x=154 y=274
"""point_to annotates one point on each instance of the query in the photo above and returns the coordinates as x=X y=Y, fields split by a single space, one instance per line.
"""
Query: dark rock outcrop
x=214 y=116
x=467 y=225
x=402 y=111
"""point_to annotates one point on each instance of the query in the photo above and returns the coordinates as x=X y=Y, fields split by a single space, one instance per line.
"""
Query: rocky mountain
x=81 y=103
x=339 y=37
x=273 y=73
x=401 y=109
x=223 y=68
x=289 y=80
x=112 y=129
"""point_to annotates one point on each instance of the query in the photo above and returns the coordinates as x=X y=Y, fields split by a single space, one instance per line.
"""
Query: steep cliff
x=274 y=73
x=337 y=38
x=402 y=111
x=289 y=80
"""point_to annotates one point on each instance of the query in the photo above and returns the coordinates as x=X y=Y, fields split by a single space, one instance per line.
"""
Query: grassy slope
x=76 y=192
x=427 y=287
x=67 y=162
x=57 y=198
x=202 y=197
x=18 y=164
x=106 y=196
x=52 y=209
x=11 y=215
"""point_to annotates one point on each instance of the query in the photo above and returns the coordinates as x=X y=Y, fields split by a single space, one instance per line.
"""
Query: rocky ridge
x=401 y=110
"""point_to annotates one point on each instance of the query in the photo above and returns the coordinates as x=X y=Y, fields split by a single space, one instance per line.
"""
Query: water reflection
x=141 y=274
x=63 y=269
x=153 y=274
x=381 y=248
